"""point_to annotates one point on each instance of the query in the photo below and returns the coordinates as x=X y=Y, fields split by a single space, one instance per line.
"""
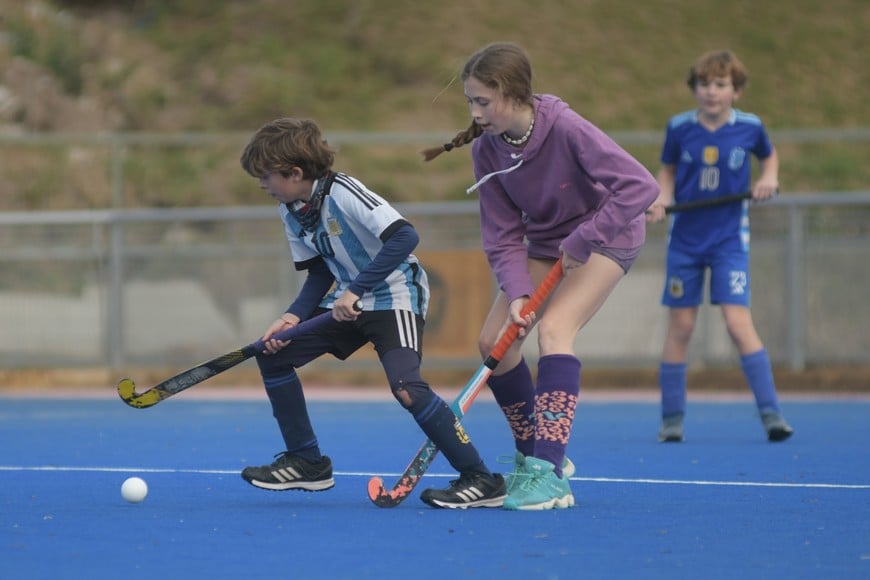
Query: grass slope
x=391 y=65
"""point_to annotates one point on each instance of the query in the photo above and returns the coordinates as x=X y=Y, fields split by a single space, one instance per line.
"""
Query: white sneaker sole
x=484 y=503
x=288 y=485
x=555 y=503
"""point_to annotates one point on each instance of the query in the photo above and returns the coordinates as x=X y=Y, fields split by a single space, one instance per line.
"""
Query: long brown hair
x=502 y=66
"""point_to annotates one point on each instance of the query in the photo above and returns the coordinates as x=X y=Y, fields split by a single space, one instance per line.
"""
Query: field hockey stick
x=194 y=376
x=382 y=497
x=711 y=202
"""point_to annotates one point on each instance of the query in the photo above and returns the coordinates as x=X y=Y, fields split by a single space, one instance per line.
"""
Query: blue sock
x=555 y=403
x=672 y=383
x=759 y=374
x=514 y=392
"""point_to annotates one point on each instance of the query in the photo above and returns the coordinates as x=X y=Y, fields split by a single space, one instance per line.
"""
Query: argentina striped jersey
x=348 y=237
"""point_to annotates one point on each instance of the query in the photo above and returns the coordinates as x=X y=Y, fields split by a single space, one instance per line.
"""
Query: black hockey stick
x=208 y=369
x=379 y=494
x=711 y=202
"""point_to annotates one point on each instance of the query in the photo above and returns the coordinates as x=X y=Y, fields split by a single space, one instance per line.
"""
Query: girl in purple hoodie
x=551 y=184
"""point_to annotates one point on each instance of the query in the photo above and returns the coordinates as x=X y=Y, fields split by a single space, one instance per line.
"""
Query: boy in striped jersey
x=707 y=154
x=356 y=249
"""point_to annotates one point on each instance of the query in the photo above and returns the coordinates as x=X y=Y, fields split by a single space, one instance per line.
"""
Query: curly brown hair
x=718 y=63
x=282 y=144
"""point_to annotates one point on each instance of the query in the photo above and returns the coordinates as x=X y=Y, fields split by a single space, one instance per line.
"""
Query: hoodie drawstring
x=486 y=177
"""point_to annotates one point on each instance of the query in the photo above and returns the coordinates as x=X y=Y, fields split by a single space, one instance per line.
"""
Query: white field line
x=640 y=481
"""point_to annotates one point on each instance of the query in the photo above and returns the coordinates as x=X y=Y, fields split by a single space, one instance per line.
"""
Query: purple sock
x=555 y=402
x=514 y=392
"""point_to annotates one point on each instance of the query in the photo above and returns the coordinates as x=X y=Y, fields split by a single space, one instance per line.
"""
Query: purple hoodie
x=571 y=187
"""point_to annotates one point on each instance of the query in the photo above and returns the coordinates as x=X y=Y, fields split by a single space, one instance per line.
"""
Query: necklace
x=523 y=139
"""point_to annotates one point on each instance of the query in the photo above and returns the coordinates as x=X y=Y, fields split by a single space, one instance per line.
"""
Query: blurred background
x=131 y=240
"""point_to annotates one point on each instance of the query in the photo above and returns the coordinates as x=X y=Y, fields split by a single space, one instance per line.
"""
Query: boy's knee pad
x=403 y=372
x=411 y=392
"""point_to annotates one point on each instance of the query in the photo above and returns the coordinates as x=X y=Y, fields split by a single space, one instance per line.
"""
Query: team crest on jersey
x=460 y=432
x=736 y=158
x=711 y=155
x=333 y=227
x=675 y=287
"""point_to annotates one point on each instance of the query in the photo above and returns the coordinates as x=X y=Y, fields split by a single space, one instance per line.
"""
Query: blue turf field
x=725 y=504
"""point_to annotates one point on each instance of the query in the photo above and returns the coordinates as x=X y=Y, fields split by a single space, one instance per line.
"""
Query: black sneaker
x=291 y=472
x=472 y=489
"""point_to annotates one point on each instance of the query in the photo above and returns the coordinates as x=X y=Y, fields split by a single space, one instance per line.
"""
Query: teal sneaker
x=539 y=488
x=568 y=468
x=518 y=474
x=513 y=478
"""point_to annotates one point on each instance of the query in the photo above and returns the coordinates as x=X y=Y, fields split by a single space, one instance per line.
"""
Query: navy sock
x=445 y=430
x=555 y=403
x=672 y=383
x=759 y=375
x=289 y=409
x=514 y=391
x=432 y=414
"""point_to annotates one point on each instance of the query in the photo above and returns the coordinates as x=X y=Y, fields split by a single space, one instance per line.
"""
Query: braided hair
x=503 y=66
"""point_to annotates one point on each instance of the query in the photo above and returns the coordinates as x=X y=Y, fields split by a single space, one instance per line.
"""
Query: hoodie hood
x=547 y=110
x=571 y=189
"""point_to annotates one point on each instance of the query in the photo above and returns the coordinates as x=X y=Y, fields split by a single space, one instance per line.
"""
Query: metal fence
x=175 y=286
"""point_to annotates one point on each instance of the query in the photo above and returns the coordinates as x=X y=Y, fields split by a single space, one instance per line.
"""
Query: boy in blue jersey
x=356 y=248
x=706 y=154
